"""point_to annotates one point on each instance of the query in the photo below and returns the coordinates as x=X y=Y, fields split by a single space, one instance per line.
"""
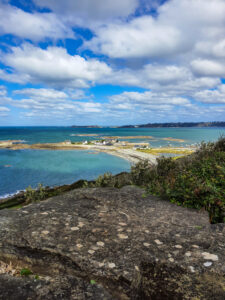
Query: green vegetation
x=34 y=195
x=196 y=181
x=25 y=272
x=157 y=151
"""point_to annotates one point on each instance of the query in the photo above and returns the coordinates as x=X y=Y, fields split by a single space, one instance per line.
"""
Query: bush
x=32 y=195
x=196 y=181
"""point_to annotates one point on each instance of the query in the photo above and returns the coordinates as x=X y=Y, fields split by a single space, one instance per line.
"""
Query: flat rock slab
x=106 y=243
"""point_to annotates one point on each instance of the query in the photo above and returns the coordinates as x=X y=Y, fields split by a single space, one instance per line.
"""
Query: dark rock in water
x=106 y=243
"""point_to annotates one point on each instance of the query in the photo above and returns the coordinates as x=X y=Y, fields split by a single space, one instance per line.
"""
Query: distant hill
x=185 y=124
x=88 y=126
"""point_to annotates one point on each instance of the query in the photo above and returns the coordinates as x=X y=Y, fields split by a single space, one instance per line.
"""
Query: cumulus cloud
x=33 y=26
x=211 y=96
x=148 y=98
x=50 y=102
x=205 y=67
x=178 y=27
x=54 y=66
x=142 y=37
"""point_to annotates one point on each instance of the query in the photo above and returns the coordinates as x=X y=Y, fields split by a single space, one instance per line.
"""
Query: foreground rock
x=107 y=243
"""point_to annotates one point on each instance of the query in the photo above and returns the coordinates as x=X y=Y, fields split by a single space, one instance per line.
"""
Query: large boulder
x=107 y=243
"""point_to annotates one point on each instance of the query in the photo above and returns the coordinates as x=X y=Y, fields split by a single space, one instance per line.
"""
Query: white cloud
x=148 y=98
x=33 y=26
x=54 y=66
x=142 y=37
x=3 y=91
x=205 y=67
x=89 y=9
x=42 y=93
x=179 y=26
x=4 y=109
x=211 y=96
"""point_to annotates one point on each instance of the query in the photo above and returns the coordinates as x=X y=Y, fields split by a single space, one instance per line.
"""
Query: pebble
x=209 y=256
x=111 y=265
x=81 y=224
x=146 y=244
x=122 y=224
x=192 y=269
x=158 y=242
x=188 y=254
x=101 y=244
x=207 y=264
x=178 y=247
x=123 y=236
x=74 y=228
x=79 y=246
x=45 y=232
x=91 y=251
x=171 y=259
x=101 y=265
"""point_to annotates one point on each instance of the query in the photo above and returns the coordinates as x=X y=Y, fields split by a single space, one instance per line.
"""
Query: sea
x=22 y=168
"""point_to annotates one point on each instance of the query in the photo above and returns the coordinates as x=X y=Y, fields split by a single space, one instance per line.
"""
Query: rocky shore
x=108 y=243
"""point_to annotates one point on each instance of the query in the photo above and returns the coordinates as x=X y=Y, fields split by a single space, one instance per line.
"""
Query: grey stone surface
x=133 y=246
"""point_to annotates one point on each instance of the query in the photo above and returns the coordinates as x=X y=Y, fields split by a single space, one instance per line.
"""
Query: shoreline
x=127 y=152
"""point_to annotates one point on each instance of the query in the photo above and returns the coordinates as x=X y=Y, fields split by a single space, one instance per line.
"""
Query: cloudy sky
x=111 y=62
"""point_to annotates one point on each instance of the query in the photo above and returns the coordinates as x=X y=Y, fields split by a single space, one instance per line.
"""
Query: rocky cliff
x=107 y=243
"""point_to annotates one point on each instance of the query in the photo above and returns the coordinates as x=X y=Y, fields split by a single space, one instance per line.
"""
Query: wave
x=11 y=194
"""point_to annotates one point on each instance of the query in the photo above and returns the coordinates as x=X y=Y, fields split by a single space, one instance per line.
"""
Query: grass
x=157 y=151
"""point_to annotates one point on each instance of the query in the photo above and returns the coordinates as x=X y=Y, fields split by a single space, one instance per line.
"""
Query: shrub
x=32 y=195
x=196 y=181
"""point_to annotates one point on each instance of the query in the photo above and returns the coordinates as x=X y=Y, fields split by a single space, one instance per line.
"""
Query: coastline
x=127 y=152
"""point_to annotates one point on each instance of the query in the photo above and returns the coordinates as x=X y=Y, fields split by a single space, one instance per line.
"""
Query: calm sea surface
x=21 y=168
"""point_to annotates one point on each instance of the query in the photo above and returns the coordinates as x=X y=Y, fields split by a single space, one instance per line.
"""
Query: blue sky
x=111 y=62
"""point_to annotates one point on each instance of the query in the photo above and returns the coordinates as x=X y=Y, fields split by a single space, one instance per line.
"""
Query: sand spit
x=127 y=152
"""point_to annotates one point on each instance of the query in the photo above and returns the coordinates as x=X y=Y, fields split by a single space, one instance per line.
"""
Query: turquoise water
x=59 y=134
x=21 y=168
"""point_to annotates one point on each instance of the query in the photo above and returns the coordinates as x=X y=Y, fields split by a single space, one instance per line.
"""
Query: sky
x=104 y=62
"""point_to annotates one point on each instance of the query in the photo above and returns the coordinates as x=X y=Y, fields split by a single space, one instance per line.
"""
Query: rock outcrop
x=107 y=243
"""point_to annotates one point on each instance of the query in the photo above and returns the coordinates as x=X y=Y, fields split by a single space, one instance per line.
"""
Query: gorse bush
x=34 y=195
x=196 y=181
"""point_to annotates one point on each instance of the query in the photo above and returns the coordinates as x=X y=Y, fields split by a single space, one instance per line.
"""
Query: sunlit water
x=21 y=168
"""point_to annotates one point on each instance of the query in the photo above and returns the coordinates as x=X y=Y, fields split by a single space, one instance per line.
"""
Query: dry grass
x=9 y=269
x=157 y=151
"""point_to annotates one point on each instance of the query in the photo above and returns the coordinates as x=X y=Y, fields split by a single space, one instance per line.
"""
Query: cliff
x=108 y=243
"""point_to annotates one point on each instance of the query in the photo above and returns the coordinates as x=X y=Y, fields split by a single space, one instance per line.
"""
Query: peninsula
x=133 y=152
